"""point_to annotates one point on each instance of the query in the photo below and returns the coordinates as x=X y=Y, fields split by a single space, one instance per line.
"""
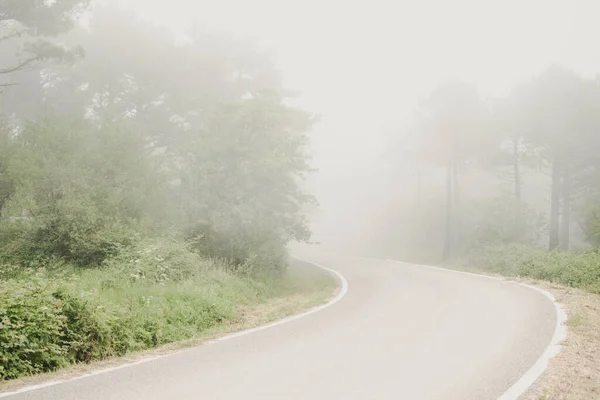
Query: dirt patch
x=575 y=373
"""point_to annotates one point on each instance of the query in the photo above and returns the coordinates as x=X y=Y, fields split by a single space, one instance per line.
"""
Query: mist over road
x=401 y=332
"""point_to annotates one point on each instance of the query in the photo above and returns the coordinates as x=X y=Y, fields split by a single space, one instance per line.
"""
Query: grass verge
x=301 y=290
x=577 y=269
x=153 y=300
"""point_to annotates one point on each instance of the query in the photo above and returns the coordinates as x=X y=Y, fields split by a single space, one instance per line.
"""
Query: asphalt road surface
x=401 y=332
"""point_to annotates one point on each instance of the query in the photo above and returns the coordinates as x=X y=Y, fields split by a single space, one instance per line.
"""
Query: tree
x=35 y=21
x=212 y=113
x=256 y=150
x=561 y=110
x=87 y=191
x=514 y=150
x=162 y=86
x=453 y=127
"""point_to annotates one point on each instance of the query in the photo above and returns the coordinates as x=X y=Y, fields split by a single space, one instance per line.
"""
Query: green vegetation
x=506 y=185
x=580 y=269
x=154 y=294
x=147 y=191
x=575 y=321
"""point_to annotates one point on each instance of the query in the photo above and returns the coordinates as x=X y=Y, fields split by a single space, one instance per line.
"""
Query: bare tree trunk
x=456 y=222
x=565 y=225
x=455 y=183
x=555 y=205
x=419 y=184
x=448 y=235
x=517 y=170
x=518 y=223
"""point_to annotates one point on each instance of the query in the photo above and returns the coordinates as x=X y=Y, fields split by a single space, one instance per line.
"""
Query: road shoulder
x=314 y=292
x=574 y=374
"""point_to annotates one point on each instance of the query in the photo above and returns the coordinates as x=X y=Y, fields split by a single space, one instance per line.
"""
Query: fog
x=364 y=67
x=385 y=78
x=173 y=171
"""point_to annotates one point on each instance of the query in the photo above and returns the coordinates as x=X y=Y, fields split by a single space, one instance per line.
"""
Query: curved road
x=401 y=332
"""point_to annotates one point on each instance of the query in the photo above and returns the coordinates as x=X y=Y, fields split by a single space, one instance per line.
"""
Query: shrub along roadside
x=148 y=297
x=571 y=268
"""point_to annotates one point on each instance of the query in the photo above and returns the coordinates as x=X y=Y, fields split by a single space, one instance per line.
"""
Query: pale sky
x=372 y=59
x=335 y=50
x=364 y=64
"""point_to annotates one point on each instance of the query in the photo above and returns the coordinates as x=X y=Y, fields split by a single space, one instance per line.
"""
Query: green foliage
x=43 y=17
x=191 y=143
x=74 y=233
x=418 y=230
x=85 y=335
x=255 y=149
x=575 y=269
x=502 y=220
x=502 y=258
x=31 y=324
x=137 y=157
x=86 y=192
x=591 y=220
x=156 y=293
x=27 y=26
x=247 y=250
x=549 y=122
x=159 y=261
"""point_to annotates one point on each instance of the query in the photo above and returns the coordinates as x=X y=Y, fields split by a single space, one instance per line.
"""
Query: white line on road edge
x=338 y=297
x=343 y=290
x=560 y=334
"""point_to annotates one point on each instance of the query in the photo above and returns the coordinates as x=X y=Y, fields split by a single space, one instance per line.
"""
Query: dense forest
x=149 y=183
x=506 y=184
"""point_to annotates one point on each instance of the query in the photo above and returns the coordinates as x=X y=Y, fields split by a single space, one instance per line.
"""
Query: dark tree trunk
x=456 y=214
x=448 y=233
x=517 y=171
x=518 y=223
x=419 y=184
x=456 y=185
x=565 y=225
x=555 y=205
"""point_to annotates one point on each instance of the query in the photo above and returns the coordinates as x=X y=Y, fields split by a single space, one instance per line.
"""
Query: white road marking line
x=340 y=296
x=342 y=293
x=560 y=334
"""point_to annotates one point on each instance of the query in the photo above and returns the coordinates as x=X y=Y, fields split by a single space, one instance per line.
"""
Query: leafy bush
x=249 y=251
x=151 y=294
x=502 y=259
x=84 y=193
x=73 y=237
x=591 y=220
x=85 y=335
x=159 y=261
x=575 y=269
x=31 y=326
x=502 y=220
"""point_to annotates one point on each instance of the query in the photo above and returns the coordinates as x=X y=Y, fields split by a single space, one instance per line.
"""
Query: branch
x=5 y=85
x=11 y=35
x=20 y=66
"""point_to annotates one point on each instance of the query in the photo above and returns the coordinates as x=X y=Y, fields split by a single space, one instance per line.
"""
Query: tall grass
x=151 y=295
x=580 y=269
